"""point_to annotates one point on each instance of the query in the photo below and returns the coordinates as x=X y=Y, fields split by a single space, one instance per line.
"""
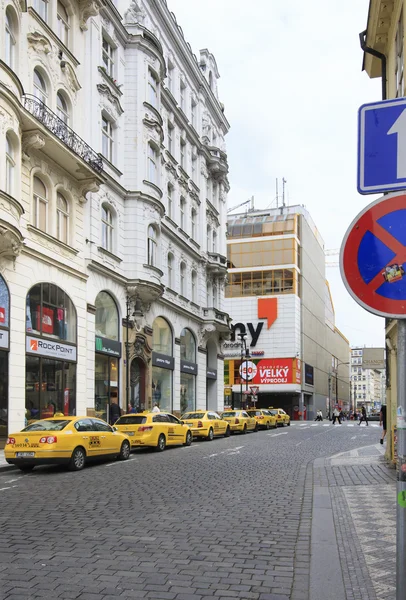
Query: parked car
x=206 y=424
x=156 y=430
x=239 y=420
x=263 y=417
x=65 y=440
x=282 y=418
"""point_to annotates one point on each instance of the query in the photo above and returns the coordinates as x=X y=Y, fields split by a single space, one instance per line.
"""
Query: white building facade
x=112 y=213
x=367 y=385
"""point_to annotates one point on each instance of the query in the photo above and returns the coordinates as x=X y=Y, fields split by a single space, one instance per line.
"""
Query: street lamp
x=245 y=353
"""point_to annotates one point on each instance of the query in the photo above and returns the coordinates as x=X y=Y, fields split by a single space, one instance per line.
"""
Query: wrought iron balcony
x=62 y=131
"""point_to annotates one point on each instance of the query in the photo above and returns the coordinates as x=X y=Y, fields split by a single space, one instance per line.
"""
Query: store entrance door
x=137 y=385
x=3 y=398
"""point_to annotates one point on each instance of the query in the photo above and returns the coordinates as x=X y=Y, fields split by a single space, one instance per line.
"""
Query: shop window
x=50 y=388
x=62 y=219
x=40 y=204
x=106 y=386
x=10 y=50
x=187 y=392
x=107 y=319
x=50 y=313
x=162 y=337
x=162 y=388
x=187 y=346
x=4 y=303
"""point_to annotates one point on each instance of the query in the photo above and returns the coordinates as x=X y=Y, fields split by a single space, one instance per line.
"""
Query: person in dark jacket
x=363 y=416
x=383 y=422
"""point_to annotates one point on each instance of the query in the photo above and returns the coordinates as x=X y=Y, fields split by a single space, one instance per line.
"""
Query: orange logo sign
x=268 y=309
x=33 y=345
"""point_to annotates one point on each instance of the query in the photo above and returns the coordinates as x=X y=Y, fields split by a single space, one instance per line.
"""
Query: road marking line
x=354 y=437
x=275 y=434
x=314 y=425
x=12 y=480
x=6 y=488
x=121 y=462
x=326 y=424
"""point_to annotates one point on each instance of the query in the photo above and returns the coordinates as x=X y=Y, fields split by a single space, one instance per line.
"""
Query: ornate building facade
x=112 y=214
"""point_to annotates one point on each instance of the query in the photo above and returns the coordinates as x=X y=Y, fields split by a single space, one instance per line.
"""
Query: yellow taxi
x=65 y=440
x=282 y=418
x=206 y=424
x=239 y=420
x=263 y=417
x=154 y=429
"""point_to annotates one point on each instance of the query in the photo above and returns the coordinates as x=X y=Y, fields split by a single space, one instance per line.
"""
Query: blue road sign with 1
x=382 y=146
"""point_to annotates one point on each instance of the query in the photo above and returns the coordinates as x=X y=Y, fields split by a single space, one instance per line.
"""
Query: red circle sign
x=373 y=257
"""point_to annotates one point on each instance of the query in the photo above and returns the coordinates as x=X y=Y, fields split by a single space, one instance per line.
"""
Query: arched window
x=188 y=371
x=194 y=291
x=40 y=199
x=50 y=312
x=10 y=166
x=162 y=337
x=170 y=270
x=62 y=219
x=40 y=88
x=107 y=228
x=62 y=109
x=182 y=278
x=208 y=238
x=62 y=23
x=187 y=345
x=162 y=344
x=9 y=56
x=107 y=321
x=193 y=223
x=152 y=246
x=41 y=6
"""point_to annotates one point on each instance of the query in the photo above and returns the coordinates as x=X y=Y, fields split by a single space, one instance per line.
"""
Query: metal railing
x=62 y=131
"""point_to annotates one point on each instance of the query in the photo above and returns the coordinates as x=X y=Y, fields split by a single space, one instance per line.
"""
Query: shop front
x=163 y=365
x=107 y=358
x=51 y=353
x=188 y=371
x=4 y=347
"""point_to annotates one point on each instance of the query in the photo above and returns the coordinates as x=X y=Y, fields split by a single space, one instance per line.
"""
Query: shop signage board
x=188 y=367
x=4 y=339
x=373 y=358
x=382 y=146
x=373 y=257
x=161 y=360
x=270 y=371
x=211 y=374
x=50 y=348
x=106 y=346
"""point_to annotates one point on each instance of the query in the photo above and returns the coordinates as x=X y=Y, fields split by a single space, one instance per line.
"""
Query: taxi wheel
x=26 y=468
x=267 y=426
x=244 y=429
x=125 y=451
x=161 y=445
x=210 y=437
x=228 y=432
x=256 y=428
x=188 y=440
x=78 y=459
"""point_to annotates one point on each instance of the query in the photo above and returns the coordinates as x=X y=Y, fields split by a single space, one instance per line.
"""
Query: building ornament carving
x=92 y=186
x=134 y=14
x=154 y=126
x=204 y=332
x=105 y=90
x=87 y=9
x=39 y=42
x=71 y=77
x=32 y=140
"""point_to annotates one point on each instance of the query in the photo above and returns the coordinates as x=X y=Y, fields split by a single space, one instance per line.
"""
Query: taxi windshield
x=195 y=415
x=131 y=420
x=229 y=413
x=47 y=425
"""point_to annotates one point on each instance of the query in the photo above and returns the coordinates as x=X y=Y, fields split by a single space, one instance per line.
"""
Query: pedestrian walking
x=319 y=416
x=363 y=415
x=114 y=411
x=383 y=422
x=336 y=416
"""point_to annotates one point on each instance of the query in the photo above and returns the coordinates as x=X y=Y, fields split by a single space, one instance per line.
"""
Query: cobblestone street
x=228 y=519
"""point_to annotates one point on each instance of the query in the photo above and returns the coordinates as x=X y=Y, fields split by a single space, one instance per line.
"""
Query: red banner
x=275 y=370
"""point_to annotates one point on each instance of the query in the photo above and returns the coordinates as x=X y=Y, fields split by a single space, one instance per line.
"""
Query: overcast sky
x=292 y=83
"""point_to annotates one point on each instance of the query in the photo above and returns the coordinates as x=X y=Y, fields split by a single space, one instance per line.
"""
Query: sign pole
x=401 y=464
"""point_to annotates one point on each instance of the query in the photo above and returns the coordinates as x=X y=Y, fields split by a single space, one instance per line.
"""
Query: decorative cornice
x=106 y=91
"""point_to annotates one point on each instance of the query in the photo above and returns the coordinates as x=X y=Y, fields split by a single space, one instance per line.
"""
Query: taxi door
x=218 y=424
x=108 y=441
x=87 y=437
x=176 y=431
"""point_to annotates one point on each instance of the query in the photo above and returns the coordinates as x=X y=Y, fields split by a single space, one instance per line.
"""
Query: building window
x=215 y=193
x=107 y=228
x=10 y=166
x=170 y=201
x=193 y=223
x=62 y=219
x=214 y=289
x=108 y=57
x=62 y=108
x=107 y=138
x=187 y=379
x=399 y=44
x=152 y=246
x=170 y=138
x=170 y=270
x=261 y=283
x=40 y=88
x=194 y=279
x=193 y=113
x=208 y=238
x=62 y=23
x=182 y=278
x=41 y=6
x=40 y=204
x=182 y=95
x=194 y=159
x=50 y=312
x=152 y=164
x=182 y=154
x=162 y=343
x=171 y=69
x=152 y=89
x=182 y=205
x=214 y=241
x=9 y=56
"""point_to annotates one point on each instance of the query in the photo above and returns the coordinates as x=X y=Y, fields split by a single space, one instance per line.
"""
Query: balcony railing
x=62 y=131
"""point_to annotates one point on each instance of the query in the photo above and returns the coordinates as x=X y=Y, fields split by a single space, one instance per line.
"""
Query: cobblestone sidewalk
x=363 y=491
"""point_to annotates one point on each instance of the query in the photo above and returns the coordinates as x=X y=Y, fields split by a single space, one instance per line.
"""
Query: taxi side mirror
x=114 y=428
x=183 y=422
